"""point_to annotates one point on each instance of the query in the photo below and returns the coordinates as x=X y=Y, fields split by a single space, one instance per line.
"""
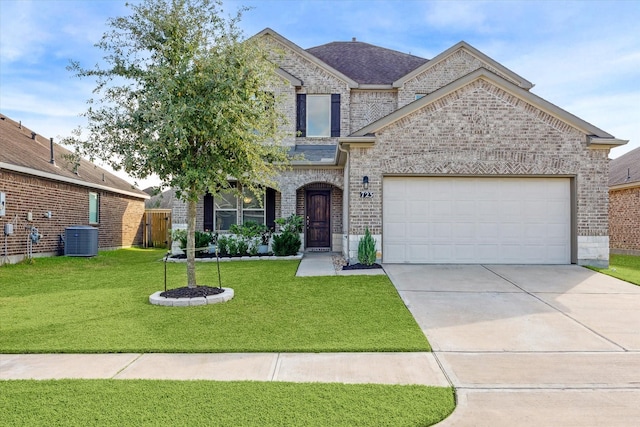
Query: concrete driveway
x=530 y=345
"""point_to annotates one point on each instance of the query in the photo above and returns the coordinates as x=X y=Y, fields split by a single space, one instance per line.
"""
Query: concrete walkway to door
x=530 y=345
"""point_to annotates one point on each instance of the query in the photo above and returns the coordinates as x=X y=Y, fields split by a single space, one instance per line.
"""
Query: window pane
x=226 y=200
x=256 y=216
x=318 y=115
x=252 y=201
x=93 y=208
x=225 y=219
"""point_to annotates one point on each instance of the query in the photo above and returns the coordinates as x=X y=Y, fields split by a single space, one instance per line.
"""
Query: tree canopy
x=182 y=95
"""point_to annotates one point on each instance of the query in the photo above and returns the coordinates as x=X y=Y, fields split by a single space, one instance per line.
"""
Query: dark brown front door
x=317 y=221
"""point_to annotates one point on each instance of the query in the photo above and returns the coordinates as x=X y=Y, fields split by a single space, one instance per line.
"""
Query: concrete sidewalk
x=321 y=264
x=351 y=368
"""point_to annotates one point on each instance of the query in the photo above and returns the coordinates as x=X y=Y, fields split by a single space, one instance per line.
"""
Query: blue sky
x=583 y=56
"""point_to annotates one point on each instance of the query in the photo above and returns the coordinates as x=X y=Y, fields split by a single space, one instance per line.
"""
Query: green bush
x=202 y=239
x=222 y=244
x=243 y=247
x=367 y=249
x=286 y=243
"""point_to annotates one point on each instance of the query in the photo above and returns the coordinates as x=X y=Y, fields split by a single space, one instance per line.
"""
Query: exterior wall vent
x=81 y=240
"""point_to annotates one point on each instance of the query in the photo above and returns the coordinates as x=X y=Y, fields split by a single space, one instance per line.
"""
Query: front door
x=318 y=227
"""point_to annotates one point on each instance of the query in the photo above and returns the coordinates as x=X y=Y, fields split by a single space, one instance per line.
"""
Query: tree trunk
x=191 y=244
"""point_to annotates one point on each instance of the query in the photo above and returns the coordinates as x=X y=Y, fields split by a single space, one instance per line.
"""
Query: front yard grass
x=625 y=267
x=201 y=403
x=100 y=305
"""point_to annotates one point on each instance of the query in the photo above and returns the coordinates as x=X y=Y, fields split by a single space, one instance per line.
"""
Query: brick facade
x=481 y=130
x=120 y=216
x=624 y=215
x=477 y=129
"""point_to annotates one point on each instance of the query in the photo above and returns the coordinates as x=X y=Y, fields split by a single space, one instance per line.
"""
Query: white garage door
x=476 y=220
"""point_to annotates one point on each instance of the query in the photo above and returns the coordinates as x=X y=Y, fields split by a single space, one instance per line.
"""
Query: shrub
x=202 y=241
x=243 y=247
x=202 y=238
x=286 y=243
x=180 y=236
x=367 y=249
x=232 y=245
x=222 y=244
x=293 y=223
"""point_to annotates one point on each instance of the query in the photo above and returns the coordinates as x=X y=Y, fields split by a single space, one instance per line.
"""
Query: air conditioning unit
x=80 y=240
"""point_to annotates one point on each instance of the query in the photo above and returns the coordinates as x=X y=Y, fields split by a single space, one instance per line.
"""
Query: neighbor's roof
x=19 y=152
x=366 y=63
x=625 y=169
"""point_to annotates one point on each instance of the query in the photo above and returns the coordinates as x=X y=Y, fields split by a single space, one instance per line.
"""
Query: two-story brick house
x=448 y=160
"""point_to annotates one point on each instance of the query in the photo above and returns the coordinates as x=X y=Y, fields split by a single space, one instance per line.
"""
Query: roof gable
x=467 y=48
x=596 y=135
x=366 y=63
x=625 y=170
x=268 y=32
x=26 y=152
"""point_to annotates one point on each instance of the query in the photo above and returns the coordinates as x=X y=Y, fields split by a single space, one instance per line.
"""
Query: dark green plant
x=243 y=247
x=293 y=223
x=181 y=237
x=367 y=249
x=286 y=243
x=202 y=241
x=232 y=245
x=222 y=244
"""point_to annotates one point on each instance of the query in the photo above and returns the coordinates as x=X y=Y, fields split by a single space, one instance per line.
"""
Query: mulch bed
x=359 y=266
x=197 y=292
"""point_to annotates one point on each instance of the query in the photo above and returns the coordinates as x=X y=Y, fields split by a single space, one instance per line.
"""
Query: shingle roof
x=314 y=153
x=17 y=148
x=625 y=169
x=366 y=63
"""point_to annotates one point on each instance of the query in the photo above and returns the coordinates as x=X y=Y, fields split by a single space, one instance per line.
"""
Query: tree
x=181 y=95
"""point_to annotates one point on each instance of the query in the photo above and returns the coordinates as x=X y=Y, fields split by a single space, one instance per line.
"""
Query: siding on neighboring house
x=624 y=217
x=120 y=216
x=624 y=203
x=33 y=184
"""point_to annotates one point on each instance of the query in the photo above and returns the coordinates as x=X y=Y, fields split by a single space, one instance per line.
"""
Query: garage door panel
x=476 y=220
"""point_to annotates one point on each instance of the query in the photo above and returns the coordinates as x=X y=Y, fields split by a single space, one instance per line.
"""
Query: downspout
x=345 y=198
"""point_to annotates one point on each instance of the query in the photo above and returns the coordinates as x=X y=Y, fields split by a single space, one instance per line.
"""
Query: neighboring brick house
x=37 y=181
x=448 y=160
x=624 y=203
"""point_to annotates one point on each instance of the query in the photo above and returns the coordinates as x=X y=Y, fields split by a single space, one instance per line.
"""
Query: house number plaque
x=366 y=194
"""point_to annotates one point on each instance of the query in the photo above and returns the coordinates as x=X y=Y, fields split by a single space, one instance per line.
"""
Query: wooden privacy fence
x=157 y=226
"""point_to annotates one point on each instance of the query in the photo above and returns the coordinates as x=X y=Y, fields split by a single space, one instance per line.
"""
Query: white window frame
x=262 y=209
x=216 y=198
x=94 y=208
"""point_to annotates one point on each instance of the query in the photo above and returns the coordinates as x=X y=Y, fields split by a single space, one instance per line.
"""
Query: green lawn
x=205 y=403
x=625 y=267
x=64 y=305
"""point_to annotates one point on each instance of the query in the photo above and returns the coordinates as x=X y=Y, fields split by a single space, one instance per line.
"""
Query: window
x=252 y=207
x=94 y=208
x=318 y=115
x=226 y=209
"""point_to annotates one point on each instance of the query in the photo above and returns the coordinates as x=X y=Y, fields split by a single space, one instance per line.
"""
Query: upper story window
x=318 y=116
x=94 y=208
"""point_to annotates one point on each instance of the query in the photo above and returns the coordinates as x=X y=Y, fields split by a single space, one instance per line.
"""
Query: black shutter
x=335 y=114
x=270 y=208
x=208 y=212
x=301 y=114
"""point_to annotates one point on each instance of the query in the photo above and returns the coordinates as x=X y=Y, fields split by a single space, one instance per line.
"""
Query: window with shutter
x=318 y=115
